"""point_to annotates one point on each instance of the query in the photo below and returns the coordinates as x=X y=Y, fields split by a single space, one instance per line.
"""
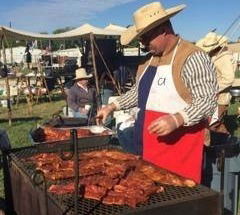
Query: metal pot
x=235 y=92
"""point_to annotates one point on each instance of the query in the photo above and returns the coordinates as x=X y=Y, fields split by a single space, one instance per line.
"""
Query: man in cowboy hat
x=215 y=46
x=80 y=97
x=175 y=92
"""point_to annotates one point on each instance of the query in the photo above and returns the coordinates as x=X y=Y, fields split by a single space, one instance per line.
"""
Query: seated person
x=80 y=97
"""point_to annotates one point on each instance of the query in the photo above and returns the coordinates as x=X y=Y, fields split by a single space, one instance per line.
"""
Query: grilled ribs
x=103 y=176
x=50 y=134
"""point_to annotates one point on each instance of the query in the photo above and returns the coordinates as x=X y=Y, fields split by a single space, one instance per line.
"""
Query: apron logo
x=162 y=81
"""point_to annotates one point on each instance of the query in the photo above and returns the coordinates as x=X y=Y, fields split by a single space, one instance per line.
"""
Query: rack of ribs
x=103 y=176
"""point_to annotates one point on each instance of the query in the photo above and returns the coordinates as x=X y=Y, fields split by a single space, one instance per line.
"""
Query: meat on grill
x=61 y=189
x=110 y=176
x=117 y=155
x=49 y=134
x=165 y=177
x=53 y=134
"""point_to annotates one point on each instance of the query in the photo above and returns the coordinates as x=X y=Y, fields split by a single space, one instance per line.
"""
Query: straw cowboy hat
x=81 y=74
x=147 y=18
x=211 y=41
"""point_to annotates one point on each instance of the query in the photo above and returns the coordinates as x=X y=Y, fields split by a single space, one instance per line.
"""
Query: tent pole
x=50 y=48
x=7 y=85
x=82 y=47
x=139 y=49
x=11 y=52
x=9 y=45
x=95 y=70
x=4 y=51
x=109 y=72
x=1 y=48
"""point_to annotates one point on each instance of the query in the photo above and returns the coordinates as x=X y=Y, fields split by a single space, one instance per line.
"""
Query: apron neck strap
x=174 y=52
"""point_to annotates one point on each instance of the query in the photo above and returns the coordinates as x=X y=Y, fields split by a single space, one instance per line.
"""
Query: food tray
x=86 y=141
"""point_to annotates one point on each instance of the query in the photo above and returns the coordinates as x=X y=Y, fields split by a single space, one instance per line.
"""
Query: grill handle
x=76 y=167
x=38 y=174
x=73 y=142
x=58 y=117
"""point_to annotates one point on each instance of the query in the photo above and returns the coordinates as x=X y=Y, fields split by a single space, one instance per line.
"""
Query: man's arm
x=199 y=76
x=125 y=101
x=128 y=100
x=226 y=69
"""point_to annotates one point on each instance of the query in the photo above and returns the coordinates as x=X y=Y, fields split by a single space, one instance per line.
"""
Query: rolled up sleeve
x=128 y=100
x=199 y=76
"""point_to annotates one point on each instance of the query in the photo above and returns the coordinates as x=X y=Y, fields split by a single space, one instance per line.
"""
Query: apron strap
x=145 y=69
x=175 y=51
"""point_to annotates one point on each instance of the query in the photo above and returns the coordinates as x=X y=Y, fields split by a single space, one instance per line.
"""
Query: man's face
x=154 y=41
x=83 y=82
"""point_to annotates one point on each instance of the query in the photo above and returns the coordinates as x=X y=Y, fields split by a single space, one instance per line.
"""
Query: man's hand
x=104 y=112
x=83 y=110
x=165 y=124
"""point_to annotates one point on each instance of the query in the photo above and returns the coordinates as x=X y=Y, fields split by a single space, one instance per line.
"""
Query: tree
x=62 y=30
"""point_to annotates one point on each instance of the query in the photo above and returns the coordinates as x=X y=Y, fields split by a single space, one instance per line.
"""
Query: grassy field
x=23 y=122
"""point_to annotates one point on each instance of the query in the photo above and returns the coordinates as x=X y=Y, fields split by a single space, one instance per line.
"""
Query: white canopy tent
x=117 y=28
x=84 y=31
x=81 y=31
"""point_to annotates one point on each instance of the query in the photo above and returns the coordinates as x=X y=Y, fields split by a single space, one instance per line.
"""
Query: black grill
x=174 y=200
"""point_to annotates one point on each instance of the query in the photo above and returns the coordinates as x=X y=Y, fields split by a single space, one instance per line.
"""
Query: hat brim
x=221 y=41
x=131 y=33
x=85 y=77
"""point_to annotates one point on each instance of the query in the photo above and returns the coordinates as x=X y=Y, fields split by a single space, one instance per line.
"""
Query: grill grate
x=171 y=195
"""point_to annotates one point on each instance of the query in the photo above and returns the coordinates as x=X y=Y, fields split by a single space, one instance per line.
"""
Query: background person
x=175 y=92
x=215 y=46
x=80 y=97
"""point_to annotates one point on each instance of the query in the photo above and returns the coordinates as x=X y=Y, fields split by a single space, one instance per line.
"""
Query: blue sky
x=198 y=18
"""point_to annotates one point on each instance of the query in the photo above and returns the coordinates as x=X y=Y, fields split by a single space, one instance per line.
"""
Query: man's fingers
x=155 y=127
x=153 y=124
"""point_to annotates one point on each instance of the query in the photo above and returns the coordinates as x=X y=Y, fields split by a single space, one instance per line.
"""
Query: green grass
x=22 y=121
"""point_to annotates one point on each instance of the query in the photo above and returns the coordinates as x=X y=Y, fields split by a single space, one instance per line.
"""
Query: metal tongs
x=57 y=120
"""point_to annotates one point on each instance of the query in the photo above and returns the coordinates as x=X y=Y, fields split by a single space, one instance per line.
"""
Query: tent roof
x=81 y=31
x=113 y=27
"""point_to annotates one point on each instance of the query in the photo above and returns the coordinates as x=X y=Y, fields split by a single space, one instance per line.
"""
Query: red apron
x=181 y=150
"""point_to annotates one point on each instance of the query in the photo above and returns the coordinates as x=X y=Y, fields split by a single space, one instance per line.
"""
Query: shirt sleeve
x=199 y=75
x=128 y=100
x=225 y=70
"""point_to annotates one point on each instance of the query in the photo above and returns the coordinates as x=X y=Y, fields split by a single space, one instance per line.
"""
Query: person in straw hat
x=175 y=93
x=215 y=46
x=80 y=97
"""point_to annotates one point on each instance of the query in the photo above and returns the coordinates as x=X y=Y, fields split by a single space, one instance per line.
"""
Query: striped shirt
x=200 y=78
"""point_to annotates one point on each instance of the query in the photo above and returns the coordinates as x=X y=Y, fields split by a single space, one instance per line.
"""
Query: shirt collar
x=85 y=88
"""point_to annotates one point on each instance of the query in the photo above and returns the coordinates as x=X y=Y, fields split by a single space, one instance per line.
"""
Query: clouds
x=47 y=15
